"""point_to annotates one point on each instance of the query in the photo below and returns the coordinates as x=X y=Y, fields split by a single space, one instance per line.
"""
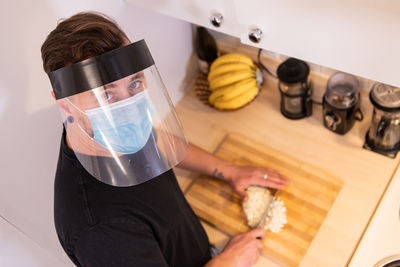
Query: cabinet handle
x=217 y=19
x=256 y=35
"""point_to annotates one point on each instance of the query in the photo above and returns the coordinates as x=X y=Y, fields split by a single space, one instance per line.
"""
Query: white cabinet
x=356 y=36
x=359 y=37
x=196 y=11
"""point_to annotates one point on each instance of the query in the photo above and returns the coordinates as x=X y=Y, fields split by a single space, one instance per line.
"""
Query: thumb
x=257 y=233
x=241 y=192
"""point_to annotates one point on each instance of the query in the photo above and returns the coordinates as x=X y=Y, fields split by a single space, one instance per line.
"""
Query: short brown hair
x=84 y=35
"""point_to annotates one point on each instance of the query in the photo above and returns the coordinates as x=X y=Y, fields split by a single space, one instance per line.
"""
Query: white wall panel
x=30 y=125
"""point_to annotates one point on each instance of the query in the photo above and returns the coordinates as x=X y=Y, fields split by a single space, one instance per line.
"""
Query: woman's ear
x=64 y=106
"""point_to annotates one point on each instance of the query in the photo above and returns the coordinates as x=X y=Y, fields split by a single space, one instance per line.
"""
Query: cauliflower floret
x=255 y=206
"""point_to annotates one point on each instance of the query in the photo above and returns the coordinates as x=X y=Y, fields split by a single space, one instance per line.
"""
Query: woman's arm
x=199 y=160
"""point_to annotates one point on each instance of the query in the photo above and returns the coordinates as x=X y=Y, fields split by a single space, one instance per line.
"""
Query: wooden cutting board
x=308 y=198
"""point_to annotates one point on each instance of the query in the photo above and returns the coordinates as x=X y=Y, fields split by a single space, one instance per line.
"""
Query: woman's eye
x=134 y=85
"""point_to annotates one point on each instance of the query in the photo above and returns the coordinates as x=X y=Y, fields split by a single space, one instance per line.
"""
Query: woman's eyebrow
x=134 y=77
x=107 y=86
x=137 y=75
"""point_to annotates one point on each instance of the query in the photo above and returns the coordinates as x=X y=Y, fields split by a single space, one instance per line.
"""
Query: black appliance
x=206 y=49
x=341 y=103
x=294 y=87
x=383 y=135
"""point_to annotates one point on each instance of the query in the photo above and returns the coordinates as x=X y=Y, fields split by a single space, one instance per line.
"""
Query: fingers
x=256 y=233
x=259 y=245
x=277 y=176
x=274 y=179
x=274 y=184
x=242 y=193
x=257 y=176
x=255 y=236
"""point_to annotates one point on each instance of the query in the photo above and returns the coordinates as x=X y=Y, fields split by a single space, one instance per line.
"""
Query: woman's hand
x=242 y=250
x=241 y=177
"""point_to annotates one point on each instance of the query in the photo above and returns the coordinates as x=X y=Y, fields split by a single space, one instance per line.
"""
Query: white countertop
x=381 y=239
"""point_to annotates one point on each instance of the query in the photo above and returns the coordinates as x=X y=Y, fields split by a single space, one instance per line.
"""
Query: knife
x=267 y=213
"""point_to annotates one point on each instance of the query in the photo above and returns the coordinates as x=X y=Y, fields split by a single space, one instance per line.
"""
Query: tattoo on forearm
x=218 y=174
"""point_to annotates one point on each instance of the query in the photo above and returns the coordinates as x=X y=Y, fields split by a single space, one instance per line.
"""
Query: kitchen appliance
x=296 y=102
x=391 y=261
x=341 y=103
x=294 y=87
x=206 y=49
x=383 y=135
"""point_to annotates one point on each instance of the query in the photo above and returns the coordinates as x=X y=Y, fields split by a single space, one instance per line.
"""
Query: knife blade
x=267 y=213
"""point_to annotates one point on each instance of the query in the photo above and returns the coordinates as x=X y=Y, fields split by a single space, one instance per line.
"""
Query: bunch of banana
x=232 y=80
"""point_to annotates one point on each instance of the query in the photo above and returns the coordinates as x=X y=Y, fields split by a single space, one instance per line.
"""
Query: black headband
x=100 y=70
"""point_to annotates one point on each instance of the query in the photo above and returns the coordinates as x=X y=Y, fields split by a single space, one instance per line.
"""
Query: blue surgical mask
x=123 y=126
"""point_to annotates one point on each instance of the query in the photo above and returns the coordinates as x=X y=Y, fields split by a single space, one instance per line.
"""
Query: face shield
x=118 y=116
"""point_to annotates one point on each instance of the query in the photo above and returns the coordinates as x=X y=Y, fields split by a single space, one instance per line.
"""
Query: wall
x=18 y=250
x=30 y=124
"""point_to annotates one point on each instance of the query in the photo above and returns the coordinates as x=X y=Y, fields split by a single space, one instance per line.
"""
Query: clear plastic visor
x=126 y=132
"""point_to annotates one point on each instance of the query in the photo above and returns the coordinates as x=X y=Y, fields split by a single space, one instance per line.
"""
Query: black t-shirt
x=150 y=224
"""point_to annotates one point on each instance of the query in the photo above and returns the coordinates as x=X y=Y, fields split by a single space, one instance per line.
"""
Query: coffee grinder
x=341 y=103
x=294 y=87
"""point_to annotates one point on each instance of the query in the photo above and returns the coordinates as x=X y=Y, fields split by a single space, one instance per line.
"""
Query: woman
x=117 y=201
